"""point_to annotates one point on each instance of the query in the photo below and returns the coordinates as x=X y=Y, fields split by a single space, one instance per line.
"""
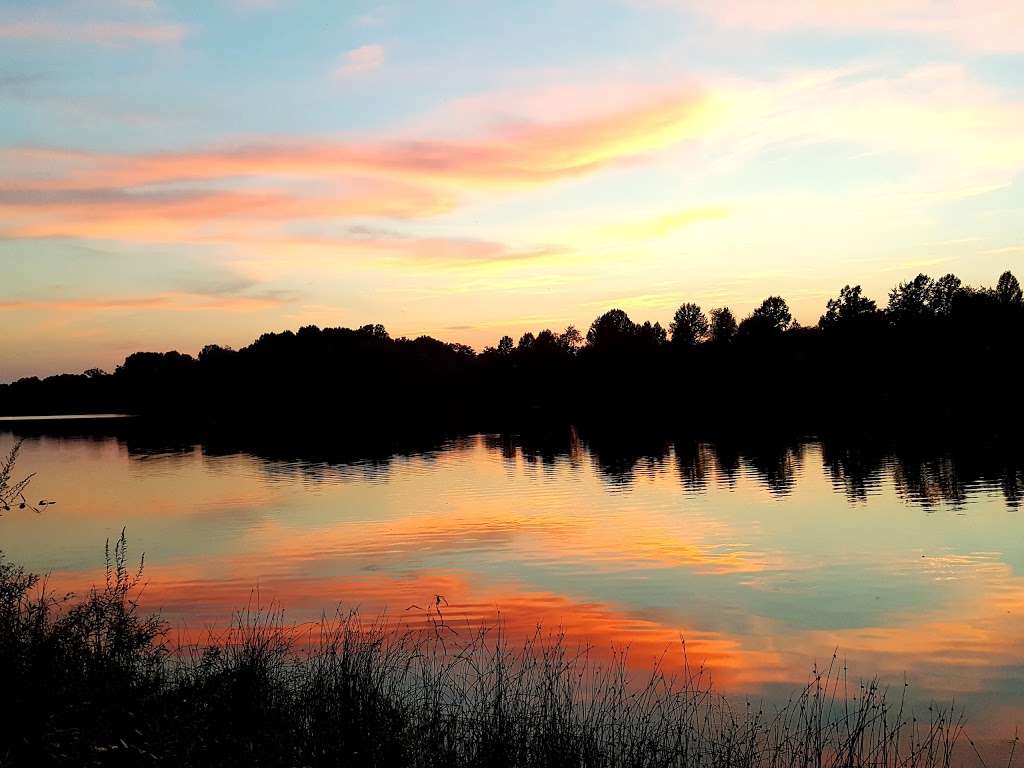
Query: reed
x=96 y=681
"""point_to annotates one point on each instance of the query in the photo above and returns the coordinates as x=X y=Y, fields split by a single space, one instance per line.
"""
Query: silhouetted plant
x=910 y=301
x=506 y=345
x=689 y=326
x=92 y=683
x=771 y=318
x=849 y=311
x=611 y=330
x=571 y=339
x=364 y=380
x=1008 y=289
x=943 y=295
x=723 y=325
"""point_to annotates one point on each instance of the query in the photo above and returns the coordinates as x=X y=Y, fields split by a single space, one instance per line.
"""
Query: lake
x=764 y=558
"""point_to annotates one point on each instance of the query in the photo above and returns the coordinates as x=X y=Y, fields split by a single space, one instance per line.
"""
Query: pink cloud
x=51 y=193
x=990 y=26
x=114 y=214
x=360 y=61
x=525 y=153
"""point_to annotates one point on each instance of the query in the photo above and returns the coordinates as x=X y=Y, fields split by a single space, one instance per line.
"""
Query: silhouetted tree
x=910 y=301
x=770 y=319
x=943 y=295
x=882 y=367
x=723 y=325
x=689 y=326
x=851 y=309
x=651 y=335
x=1008 y=289
x=611 y=330
x=571 y=339
x=546 y=342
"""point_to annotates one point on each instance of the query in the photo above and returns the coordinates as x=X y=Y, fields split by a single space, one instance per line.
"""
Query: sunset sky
x=174 y=174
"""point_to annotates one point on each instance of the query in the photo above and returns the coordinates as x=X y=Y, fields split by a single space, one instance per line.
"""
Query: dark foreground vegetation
x=939 y=355
x=95 y=682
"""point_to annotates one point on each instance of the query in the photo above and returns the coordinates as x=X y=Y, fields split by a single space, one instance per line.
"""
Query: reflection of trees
x=777 y=465
x=928 y=475
x=619 y=460
x=854 y=469
x=727 y=462
x=693 y=463
x=928 y=482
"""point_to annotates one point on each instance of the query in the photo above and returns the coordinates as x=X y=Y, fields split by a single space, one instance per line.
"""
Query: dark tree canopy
x=689 y=326
x=943 y=295
x=571 y=339
x=910 y=301
x=611 y=330
x=1008 y=289
x=722 y=326
x=882 y=362
x=772 y=318
x=651 y=335
x=850 y=309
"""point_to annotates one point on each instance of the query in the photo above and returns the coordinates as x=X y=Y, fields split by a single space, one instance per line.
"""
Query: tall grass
x=95 y=681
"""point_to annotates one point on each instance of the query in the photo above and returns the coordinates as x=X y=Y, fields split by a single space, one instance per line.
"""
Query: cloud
x=649 y=227
x=172 y=301
x=992 y=26
x=453 y=252
x=117 y=214
x=113 y=33
x=173 y=195
x=360 y=61
x=524 y=153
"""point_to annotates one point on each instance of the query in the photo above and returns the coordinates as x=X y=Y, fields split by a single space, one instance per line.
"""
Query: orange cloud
x=523 y=154
x=182 y=195
x=104 y=213
x=106 y=33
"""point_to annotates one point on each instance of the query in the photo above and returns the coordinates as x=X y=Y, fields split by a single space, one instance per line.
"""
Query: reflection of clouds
x=753 y=553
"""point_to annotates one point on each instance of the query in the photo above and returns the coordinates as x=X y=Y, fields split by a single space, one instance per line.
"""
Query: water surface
x=764 y=557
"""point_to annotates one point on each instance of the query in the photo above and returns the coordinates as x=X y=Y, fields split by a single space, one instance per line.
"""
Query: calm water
x=764 y=559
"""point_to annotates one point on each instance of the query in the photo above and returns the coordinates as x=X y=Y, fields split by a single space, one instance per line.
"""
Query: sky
x=175 y=174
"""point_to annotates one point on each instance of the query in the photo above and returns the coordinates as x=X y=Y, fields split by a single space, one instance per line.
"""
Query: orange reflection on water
x=762 y=565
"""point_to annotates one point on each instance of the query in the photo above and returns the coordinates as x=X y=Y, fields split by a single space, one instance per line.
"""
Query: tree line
x=938 y=353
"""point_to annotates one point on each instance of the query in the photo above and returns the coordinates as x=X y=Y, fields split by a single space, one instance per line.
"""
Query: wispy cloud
x=360 y=61
x=525 y=153
x=117 y=214
x=51 y=193
x=112 y=33
x=990 y=26
x=171 y=301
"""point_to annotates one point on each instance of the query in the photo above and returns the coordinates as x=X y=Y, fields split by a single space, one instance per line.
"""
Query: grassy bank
x=93 y=680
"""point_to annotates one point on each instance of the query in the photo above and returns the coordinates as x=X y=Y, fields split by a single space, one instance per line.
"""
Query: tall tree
x=1008 y=289
x=910 y=300
x=689 y=326
x=610 y=330
x=850 y=308
x=723 y=325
